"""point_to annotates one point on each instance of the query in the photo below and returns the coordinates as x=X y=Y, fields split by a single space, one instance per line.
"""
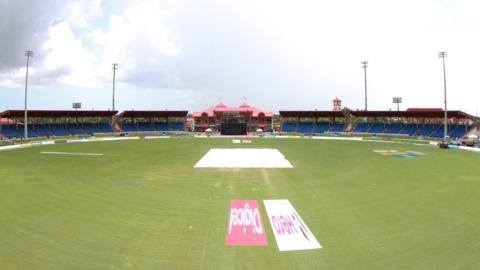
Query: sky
x=276 y=55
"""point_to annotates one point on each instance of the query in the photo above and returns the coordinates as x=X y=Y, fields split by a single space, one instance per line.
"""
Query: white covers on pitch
x=243 y=158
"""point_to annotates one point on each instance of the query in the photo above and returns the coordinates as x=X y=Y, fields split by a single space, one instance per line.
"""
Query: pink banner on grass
x=245 y=225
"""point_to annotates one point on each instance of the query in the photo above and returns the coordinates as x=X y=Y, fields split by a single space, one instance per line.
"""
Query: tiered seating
x=42 y=130
x=409 y=129
x=459 y=131
x=361 y=128
x=438 y=133
x=393 y=129
x=10 y=131
x=377 y=128
x=58 y=130
x=74 y=129
x=105 y=127
x=90 y=128
x=129 y=127
x=289 y=127
x=337 y=127
x=454 y=131
x=161 y=126
x=305 y=127
x=177 y=126
x=321 y=127
x=145 y=127
x=425 y=130
x=30 y=132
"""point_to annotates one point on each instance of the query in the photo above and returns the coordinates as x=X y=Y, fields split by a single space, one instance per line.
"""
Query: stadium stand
x=409 y=129
x=161 y=126
x=74 y=129
x=177 y=126
x=337 y=127
x=376 y=128
x=321 y=127
x=129 y=127
x=10 y=131
x=425 y=130
x=42 y=130
x=90 y=128
x=305 y=127
x=47 y=123
x=393 y=128
x=152 y=121
x=289 y=127
x=145 y=127
x=58 y=130
x=361 y=128
x=412 y=122
x=105 y=128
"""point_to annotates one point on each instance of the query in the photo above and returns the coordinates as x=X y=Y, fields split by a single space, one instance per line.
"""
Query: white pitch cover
x=291 y=233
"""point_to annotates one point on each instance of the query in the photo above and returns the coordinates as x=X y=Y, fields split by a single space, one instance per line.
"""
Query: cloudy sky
x=187 y=54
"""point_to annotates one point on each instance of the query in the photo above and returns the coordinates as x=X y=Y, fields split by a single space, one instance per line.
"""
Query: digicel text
x=245 y=217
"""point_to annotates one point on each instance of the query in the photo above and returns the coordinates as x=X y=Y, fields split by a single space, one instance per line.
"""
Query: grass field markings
x=417 y=153
x=268 y=183
x=71 y=153
x=399 y=154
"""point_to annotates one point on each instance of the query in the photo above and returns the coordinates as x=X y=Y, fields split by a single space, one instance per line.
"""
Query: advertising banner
x=291 y=232
x=245 y=225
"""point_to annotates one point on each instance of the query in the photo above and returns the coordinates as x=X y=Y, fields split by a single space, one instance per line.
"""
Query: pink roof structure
x=244 y=107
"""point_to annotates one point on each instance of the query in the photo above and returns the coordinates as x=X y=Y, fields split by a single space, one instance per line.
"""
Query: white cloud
x=81 y=12
x=66 y=52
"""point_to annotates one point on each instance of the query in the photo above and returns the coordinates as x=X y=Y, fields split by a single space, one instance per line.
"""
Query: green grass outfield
x=142 y=205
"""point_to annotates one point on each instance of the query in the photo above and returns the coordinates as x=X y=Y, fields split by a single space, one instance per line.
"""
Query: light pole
x=76 y=106
x=114 y=67
x=397 y=100
x=442 y=55
x=364 y=66
x=28 y=54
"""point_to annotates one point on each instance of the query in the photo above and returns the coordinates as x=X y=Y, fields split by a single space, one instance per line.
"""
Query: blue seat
x=409 y=129
x=425 y=130
x=129 y=127
x=161 y=126
x=105 y=127
x=393 y=128
x=458 y=131
x=439 y=131
x=377 y=128
x=58 y=130
x=337 y=127
x=321 y=127
x=177 y=126
x=74 y=129
x=305 y=127
x=361 y=128
x=42 y=130
x=145 y=127
x=90 y=128
x=10 y=131
x=289 y=127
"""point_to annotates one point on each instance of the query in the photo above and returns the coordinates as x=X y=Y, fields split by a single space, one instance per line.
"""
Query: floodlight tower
x=397 y=100
x=364 y=66
x=114 y=67
x=442 y=55
x=28 y=54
